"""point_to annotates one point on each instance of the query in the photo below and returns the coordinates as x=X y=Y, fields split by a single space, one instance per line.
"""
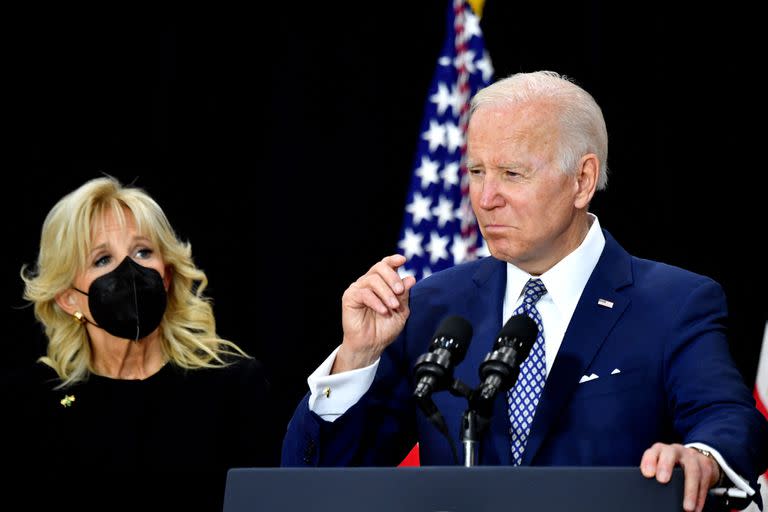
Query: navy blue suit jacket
x=665 y=333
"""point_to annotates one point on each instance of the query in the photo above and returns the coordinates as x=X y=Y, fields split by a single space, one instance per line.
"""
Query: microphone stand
x=476 y=419
x=469 y=438
x=471 y=423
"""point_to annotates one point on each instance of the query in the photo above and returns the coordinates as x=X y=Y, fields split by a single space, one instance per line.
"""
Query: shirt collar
x=566 y=280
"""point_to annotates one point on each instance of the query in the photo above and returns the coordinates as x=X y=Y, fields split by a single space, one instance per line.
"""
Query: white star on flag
x=435 y=135
x=420 y=208
x=443 y=211
x=454 y=136
x=442 y=99
x=472 y=25
x=427 y=172
x=411 y=244
x=458 y=249
x=485 y=67
x=467 y=60
x=437 y=247
x=450 y=174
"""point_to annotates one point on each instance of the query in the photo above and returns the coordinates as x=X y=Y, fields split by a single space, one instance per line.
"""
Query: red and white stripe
x=761 y=399
x=469 y=230
x=761 y=382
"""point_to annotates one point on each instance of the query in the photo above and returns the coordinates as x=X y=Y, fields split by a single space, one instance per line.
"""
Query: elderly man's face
x=525 y=206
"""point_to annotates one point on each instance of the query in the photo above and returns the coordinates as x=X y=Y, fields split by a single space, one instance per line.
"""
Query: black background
x=281 y=143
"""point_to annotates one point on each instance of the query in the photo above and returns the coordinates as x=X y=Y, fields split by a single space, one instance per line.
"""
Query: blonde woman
x=135 y=382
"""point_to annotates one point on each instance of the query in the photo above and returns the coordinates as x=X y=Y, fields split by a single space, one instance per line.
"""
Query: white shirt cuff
x=332 y=395
x=738 y=481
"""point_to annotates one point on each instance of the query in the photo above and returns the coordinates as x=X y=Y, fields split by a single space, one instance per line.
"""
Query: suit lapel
x=588 y=329
x=485 y=312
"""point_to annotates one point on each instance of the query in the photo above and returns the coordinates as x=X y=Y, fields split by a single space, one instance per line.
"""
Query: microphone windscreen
x=520 y=333
x=454 y=334
x=520 y=326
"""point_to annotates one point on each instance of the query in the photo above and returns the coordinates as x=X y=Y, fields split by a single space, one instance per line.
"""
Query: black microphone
x=501 y=367
x=434 y=370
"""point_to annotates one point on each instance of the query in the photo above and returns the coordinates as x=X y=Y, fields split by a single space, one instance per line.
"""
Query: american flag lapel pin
x=605 y=303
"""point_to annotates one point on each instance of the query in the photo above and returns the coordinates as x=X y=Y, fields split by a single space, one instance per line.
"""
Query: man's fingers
x=368 y=298
x=649 y=461
x=707 y=471
x=382 y=288
x=394 y=260
x=702 y=496
x=660 y=459
x=387 y=270
x=692 y=486
x=668 y=457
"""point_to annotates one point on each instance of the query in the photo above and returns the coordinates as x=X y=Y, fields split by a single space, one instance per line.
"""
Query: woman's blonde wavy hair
x=188 y=328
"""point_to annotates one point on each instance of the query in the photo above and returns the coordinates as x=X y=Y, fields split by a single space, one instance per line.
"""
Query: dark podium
x=450 y=488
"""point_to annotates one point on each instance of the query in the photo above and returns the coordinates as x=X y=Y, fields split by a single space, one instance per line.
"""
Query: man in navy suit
x=631 y=361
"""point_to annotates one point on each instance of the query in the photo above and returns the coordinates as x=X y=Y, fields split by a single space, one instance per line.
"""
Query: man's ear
x=586 y=180
x=66 y=301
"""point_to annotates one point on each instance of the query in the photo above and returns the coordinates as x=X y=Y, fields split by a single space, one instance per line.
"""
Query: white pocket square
x=587 y=378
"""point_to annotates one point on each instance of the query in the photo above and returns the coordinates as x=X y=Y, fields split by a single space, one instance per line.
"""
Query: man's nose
x=489 y=196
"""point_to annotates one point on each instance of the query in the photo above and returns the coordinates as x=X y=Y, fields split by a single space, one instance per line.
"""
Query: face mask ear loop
x=79 y=316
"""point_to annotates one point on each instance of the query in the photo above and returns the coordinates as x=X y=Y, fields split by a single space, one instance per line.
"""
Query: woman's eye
x=101 y=261
x=144 y=253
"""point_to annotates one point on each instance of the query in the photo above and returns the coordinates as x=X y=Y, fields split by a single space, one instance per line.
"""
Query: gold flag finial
x=477 y=6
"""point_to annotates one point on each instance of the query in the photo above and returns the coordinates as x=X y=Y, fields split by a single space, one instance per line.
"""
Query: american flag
x=439 y=229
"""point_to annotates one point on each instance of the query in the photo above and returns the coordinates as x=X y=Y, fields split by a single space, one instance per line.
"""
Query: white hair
x=580 y=117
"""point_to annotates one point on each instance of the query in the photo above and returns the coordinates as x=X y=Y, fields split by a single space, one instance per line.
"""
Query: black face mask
x=128 y=302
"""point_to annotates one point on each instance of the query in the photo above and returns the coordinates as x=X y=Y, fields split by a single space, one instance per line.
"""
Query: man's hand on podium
x=701 y=471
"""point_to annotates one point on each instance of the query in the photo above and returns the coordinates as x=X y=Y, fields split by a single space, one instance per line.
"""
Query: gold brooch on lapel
x=67 y=400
